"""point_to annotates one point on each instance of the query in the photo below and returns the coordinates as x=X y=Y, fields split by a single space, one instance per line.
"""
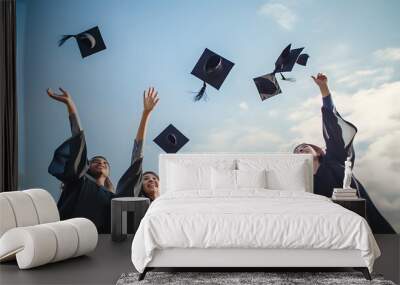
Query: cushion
x=171 y=168
x=188 y=177
x=87 y=234
x=45 y=206
x=251 y=178
x=7 y=220
x=292 y=179
x=26 y=208
x=40 y=244
x=223 y=179
x=31 y=232
x=281 y=175
x=24 y=211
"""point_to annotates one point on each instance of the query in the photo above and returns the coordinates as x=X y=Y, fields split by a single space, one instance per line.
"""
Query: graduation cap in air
x=288 y=58
x=212 y=69
x=267 y=85
x=171 y=140
x=89 y=41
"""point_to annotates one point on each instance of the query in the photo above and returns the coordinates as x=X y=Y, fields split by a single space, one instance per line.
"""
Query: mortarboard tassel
x=201 y=92
x=287 y=78
x=64 y=39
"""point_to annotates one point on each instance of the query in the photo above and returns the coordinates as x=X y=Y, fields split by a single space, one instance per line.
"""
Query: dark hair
x=151 y=172
x=99 y=156
x=320 y=152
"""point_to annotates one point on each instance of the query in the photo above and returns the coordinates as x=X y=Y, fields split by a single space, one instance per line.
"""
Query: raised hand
x=150 y=99
x=322 y=81
x=64 y=97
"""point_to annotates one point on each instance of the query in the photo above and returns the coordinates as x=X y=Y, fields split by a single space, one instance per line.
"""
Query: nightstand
x=357 y=205
x=120 y=208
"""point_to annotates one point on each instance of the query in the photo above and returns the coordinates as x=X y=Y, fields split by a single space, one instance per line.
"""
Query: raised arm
x=130 y=184
x=338 y=133
x=66 y=99
x=150 y=100
x=69 y=162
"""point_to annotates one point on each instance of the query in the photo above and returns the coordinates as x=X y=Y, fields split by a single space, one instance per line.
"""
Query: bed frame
x=246 y=258
x=242 y=259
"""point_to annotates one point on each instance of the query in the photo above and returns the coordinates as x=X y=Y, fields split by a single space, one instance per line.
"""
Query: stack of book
x=343 y=194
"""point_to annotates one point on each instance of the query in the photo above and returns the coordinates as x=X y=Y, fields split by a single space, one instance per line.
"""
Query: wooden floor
x=110 y=260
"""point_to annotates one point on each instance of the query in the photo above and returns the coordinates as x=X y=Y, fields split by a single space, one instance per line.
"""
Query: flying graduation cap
x=288 y=58
x=171 y=140
x=212 y=69
x=267 y=85
x=89 y=41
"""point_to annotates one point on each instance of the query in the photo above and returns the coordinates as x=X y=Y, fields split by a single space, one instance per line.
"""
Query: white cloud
x=372 y=77
x=349 y=70
x=273 y=113
x=357 y=75
x=374 y=111
x=379 y=170
x=243 y=106
x=240 y=137
x=280 y=13
x=390 y=54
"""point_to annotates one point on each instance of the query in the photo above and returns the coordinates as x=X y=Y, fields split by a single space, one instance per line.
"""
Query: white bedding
x=251 y=218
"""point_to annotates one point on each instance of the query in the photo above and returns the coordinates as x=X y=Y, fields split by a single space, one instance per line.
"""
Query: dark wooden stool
x=119 y=209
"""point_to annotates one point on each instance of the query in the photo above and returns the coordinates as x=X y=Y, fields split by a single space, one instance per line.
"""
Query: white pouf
x=31 y=232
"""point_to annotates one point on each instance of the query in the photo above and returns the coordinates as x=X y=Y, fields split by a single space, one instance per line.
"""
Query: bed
x=247 y=210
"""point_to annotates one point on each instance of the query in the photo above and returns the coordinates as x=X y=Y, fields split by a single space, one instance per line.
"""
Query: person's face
x=99 y=167
x=305 y=148
x=150 y=185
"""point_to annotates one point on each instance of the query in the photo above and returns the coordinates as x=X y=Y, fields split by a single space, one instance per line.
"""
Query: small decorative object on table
x=347 y=174
x=348 y=197
x=346 y=193
x=119 y=209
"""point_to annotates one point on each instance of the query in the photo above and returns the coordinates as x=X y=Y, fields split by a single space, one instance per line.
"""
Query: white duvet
x=250 y=218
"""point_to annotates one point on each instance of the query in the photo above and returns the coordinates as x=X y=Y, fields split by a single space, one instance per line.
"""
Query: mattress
x=251 y=219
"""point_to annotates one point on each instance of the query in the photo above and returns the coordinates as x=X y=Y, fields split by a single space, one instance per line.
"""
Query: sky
x=157 y=43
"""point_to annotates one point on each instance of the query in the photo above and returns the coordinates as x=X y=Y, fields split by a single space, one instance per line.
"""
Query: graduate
x=329 y=165
x=86 y=187
x=150 y=185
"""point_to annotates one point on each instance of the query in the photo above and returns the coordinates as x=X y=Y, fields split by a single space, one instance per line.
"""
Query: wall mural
x=338 y=101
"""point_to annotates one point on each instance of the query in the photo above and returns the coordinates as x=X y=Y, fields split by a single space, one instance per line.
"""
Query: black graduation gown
x=81 y=196
x=339 y=135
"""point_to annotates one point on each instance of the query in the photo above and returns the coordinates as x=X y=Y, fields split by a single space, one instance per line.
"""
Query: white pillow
x=223 y=179
x=188 y=177
x=293 y=178
x=251 y=178
x=282 y=174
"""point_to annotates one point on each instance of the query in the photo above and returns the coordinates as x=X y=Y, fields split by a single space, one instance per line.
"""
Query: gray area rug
x=232 y=278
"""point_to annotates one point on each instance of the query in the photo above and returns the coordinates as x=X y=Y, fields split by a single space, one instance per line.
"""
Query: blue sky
x=157 y=43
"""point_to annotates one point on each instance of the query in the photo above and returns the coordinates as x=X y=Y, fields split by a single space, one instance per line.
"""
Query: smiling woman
x=99 y=166
x=151 y=183
x=87 y=188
